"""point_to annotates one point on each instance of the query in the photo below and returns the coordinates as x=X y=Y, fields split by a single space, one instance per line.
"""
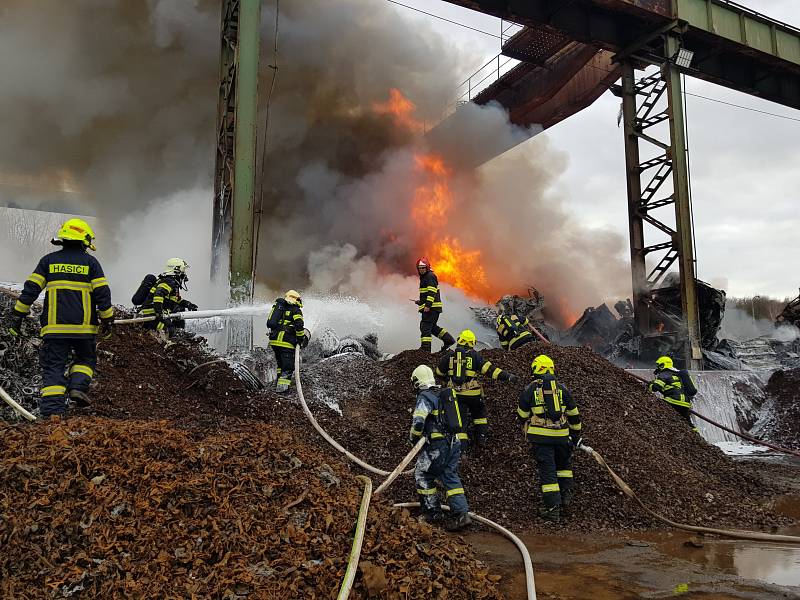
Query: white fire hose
x=16 y=406
x=526 y=557
x=358 y=540
x=196 y=314
x=323 y=433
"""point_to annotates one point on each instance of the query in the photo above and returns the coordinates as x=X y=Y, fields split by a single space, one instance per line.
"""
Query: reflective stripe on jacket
x=550 y=411
x=429 y=294
x=670 y=384
x=291 y=329
x=463 y=366
x=511 y=329
x=76 y=293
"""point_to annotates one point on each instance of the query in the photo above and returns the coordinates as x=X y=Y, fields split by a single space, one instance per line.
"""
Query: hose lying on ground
x=735 y=534
x=18 y=408
x=403 y=464
x=319 y=428
x=526 y=557
x=358 y=540
x=744 y=436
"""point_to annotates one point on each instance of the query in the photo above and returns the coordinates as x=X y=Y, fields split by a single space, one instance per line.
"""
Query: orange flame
x=401 y=109
x=433 y=200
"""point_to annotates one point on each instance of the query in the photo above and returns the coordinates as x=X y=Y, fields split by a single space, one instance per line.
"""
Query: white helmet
x=422 y=377
x=176 y=266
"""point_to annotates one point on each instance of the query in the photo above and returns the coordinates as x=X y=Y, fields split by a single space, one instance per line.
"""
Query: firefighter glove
x=107 y=328
x=577 y=442
x=513 y=378
x=191 y=306
x=412 y=439
x=304 y=341
x=15 y=325
x=426 y=309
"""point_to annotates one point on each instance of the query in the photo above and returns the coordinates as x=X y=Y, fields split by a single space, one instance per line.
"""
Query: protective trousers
x=284 y=357
x=555 y=473
x=54 y=354
x=478 y=414
x=428 y=327
x=439 y=460
x=684 y=412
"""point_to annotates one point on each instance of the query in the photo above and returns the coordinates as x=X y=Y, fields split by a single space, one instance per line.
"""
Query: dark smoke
x=122 y=97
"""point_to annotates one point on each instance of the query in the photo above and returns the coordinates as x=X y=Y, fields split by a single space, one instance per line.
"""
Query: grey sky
x=746 y=180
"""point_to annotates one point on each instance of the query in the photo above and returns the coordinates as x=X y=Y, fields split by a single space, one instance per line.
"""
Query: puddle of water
x=771 y=563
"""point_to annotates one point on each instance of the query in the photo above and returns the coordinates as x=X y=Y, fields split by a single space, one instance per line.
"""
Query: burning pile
x=102 y=508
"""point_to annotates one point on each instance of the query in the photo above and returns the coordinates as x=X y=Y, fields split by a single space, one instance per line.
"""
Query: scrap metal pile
x=782 y=424
x=94 y=507
x=19 y=360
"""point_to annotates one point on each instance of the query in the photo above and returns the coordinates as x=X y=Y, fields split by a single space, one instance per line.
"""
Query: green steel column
x=241 y=265
x=635 y=222
x=683 y=212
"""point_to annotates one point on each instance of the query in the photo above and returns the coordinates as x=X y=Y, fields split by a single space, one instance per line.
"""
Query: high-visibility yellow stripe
x=99 y=282
x=572 y=412
x=576 y=426
x=551 y=487
x=462 y=436
x=63 y=284
x=436 y=435
x=481 y=421
x=420 y=413
x=548 y=432
x=52 y=303
x=416 y=433
x=21 y=307
x=86 y=305
x=496 y=373
x=164 y=286
x=678 y=402
x=475 y=392
x=69 y=329
x=525 y=414
x=280 y=344
x=85 y=369
x=53 y=390
x=426 y=339
x=429 y=492
x=109 y=312
x=37 y=279
x=455 y=492
x=486 y=366
x=564 y=474
x=284 y=381
x=436 y=305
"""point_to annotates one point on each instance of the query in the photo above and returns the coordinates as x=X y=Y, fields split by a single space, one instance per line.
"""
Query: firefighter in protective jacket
x=437 y=417
x=286 y=331
x=462 y=367
x=512 y=331
x=77 y=304
x=164 y=298
x=430 y=308
x=676 y=387
x=553 y=428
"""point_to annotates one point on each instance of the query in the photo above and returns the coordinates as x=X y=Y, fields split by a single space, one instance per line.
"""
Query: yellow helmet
x=543 y=364
x=466 y=338
x=293 y=297
x=77 y=230
x=422 y=377
x=176 y=266
x=664 y=362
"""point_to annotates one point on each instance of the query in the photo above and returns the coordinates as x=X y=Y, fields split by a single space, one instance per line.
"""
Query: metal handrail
x=759 y=15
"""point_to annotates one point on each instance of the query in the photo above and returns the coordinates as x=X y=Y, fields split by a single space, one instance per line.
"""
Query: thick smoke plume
x=122 y=98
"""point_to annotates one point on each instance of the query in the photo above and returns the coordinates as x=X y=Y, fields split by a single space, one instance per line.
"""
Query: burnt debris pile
x=94 y=507
x=782 y=423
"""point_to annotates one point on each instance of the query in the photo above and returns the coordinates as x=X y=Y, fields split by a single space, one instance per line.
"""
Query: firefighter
x=286 y=331
x=164 y=298
x=512 y=331
x=552 y=425
x=77 y=304
x=462 y=367
x=676 y=387
x=437 y=417
x=430 y=307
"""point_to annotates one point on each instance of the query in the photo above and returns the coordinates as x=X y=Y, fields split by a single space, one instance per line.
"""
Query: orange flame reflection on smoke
x=401 y=110
x=432 y=202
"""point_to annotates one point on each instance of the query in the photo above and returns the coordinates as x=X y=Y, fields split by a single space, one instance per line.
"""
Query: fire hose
x=16 y=406
x=358 y=540
x=322 y=432
x=745 y=436
x=735 y=534
x=526 y=557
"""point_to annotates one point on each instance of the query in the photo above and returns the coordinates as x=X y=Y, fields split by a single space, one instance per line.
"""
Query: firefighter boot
x=79 y=398
x=431 y=517
x=458 y=522
x=448 y=341
x=550 y=513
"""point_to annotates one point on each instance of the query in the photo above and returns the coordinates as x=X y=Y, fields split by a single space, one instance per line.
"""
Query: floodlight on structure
x=684 y=58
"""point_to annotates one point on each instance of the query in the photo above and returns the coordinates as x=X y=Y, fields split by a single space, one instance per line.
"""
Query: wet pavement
x=659 y=564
